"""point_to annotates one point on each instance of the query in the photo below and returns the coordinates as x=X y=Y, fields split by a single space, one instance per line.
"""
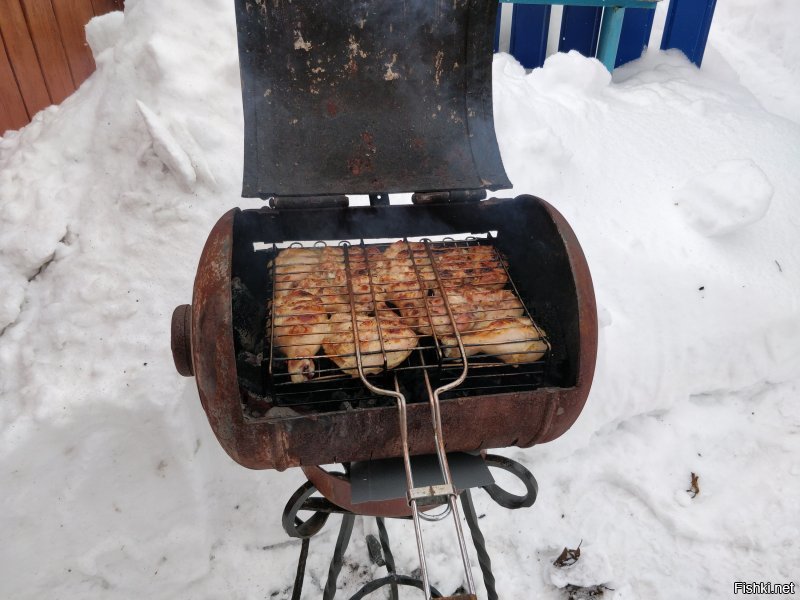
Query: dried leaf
x=568 y=556
x=576 y=592
x=695 y=489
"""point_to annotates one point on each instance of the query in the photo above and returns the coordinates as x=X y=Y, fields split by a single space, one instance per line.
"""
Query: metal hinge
x=448 y=197
x=292 y=202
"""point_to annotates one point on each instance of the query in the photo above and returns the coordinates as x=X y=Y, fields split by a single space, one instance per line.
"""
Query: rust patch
x=494 y=420
x=359 y=165
x=332 y=109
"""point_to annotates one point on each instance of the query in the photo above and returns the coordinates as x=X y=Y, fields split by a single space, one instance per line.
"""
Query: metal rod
x=423 y=296
x=297 y=588
x=423 y=564
x=388 y=557
x=401 y=408
x=524 y=304
x=272 y=311
x=345 y=531
x=484 y=560
x=374 y=306
x=437 y=424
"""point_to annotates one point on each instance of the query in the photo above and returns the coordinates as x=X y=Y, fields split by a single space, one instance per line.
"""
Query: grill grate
x=394 y=294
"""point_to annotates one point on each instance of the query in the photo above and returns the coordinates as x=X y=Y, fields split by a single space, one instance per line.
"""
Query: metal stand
x=382 y=553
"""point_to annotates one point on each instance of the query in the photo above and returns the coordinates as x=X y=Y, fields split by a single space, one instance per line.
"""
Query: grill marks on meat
x=293 y=266
x=398 y=296
x=378 y=336
x=429 y=313
x=300 y=326
x=513 y=341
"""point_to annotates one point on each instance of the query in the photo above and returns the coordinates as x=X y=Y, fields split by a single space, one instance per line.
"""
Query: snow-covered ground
x=682 y=185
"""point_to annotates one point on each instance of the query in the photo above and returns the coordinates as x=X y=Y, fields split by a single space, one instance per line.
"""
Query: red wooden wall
x=44 y=56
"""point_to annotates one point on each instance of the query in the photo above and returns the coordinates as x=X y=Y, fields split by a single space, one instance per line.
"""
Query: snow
x=735 y=194
x=682 y=186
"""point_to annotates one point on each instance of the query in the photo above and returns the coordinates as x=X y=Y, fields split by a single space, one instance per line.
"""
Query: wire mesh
x=396 y=293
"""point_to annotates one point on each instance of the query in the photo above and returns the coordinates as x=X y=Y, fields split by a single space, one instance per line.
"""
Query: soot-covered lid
x=367 y=96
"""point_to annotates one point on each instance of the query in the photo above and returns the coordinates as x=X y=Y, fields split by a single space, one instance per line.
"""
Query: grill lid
x=367 y=96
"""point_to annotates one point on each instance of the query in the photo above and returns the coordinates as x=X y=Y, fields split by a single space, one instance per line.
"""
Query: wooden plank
x=102 y=7
x=687 y=26
x=609 y=36
x=22 y=56
x=529 y=27
x=72 y=17
x=12 y=108
x=580 y=29
x=601 y=3
x=635 y=34
x=46 y=36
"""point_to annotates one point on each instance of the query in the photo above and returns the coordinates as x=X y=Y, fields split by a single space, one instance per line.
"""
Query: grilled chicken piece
x=329 y=281
x=422 y=313
x=468 y=265
x=404 y=249
x=456 y=266
x=514 y=340
x=334 y=291
x=292 y=267
x=473 y=307
x=300 y=324
x=486 y=273
x=398 y=341
x=497 y=304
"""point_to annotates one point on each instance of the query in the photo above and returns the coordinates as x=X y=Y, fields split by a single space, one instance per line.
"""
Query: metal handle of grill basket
x=430 y=494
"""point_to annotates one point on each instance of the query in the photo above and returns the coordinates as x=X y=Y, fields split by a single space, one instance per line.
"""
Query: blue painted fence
x=583 y=29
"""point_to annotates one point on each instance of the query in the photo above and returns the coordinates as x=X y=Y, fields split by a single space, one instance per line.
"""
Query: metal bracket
x=432 y=494
x=379 y=199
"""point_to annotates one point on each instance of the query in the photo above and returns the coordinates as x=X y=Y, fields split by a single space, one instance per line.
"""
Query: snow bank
x=759 y=42
x=612 y=158
x=733 y=195
x=114 y=485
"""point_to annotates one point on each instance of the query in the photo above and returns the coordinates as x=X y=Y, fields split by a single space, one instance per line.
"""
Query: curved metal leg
x=484 y=560
x=507 y=499
x=345 y=531
x=383 y=535
x=297 y=588
x=301 y=500
x=393 y=580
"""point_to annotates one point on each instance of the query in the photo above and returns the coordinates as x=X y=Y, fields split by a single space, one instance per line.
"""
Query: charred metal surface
x=551 y=272
x=361 y=97
x=569 y=403
x=181 y=341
